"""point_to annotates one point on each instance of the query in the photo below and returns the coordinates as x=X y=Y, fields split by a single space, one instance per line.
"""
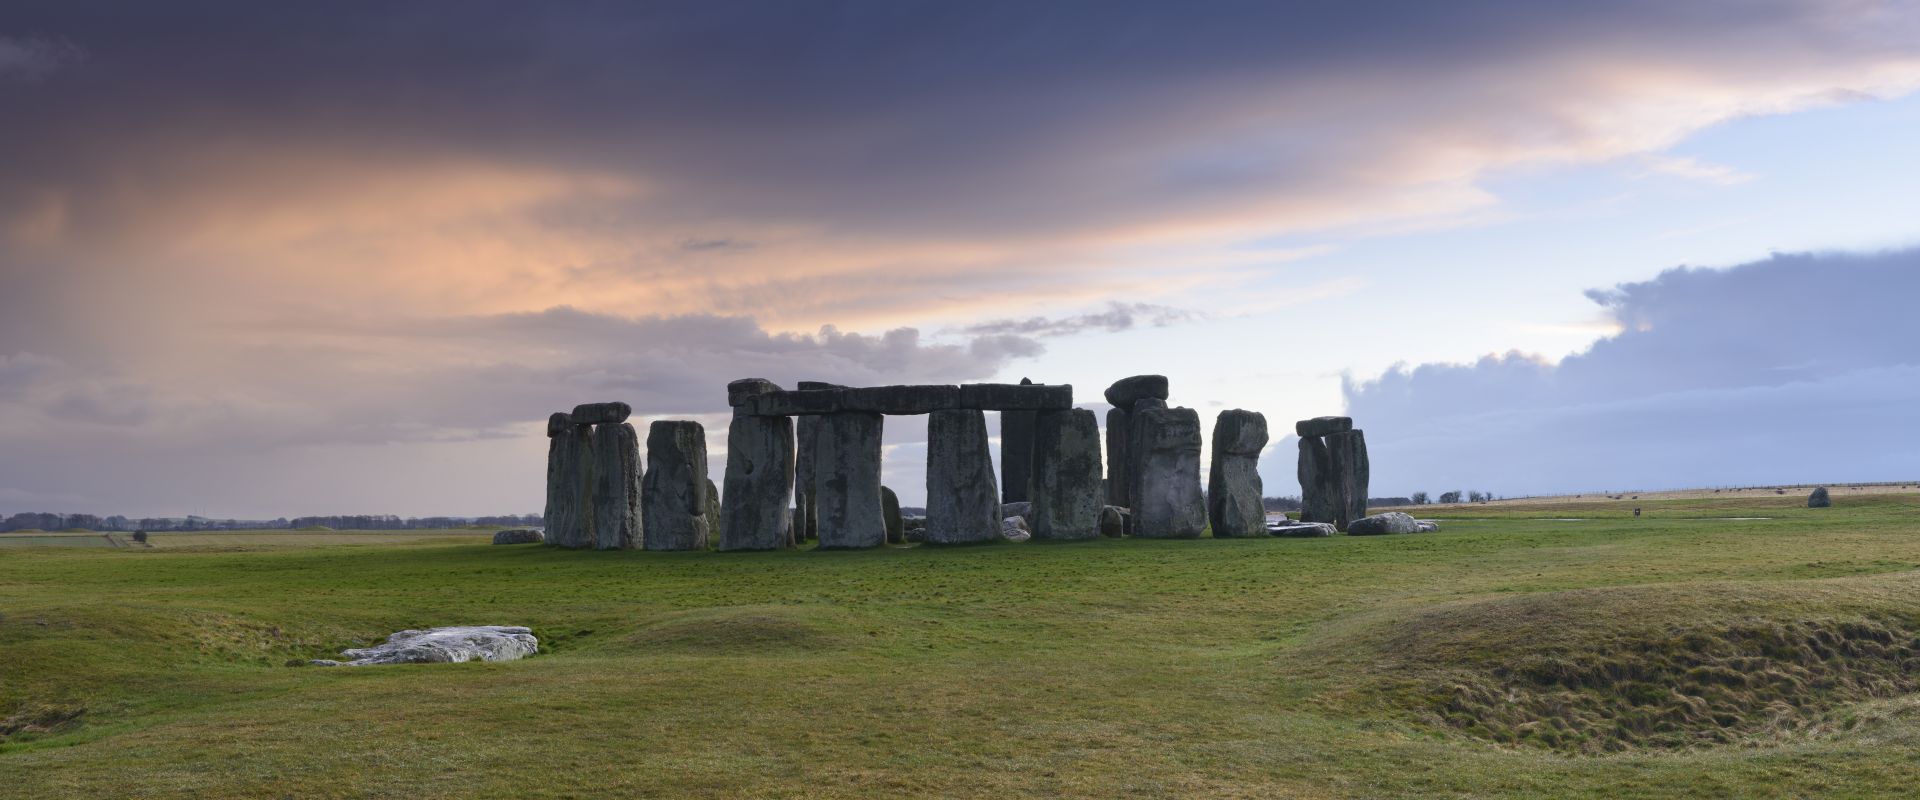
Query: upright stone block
x=563 y=494
x=847 y=481
x=1067 y=493
x=713 y=513
x=1137 y=453
x=759 y=479
x=1347 y=457
x=1319 y=491
x=616 y=486
x=963 y=505
x=1167 y=503
x=1119 y=475
x=674 y=514
x=572 y=525
x=1016 y=453
x=1234 y=503
x=806 y=522
x=890 y=514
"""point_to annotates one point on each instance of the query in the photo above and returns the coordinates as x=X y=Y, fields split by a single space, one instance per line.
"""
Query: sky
x=264 y=260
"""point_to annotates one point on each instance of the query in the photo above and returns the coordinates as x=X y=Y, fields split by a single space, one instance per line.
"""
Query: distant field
x=242 y=539
x=54 y=540
x=1511 y=655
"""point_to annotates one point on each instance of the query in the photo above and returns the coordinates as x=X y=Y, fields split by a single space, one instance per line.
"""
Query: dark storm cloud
x=1797 y=368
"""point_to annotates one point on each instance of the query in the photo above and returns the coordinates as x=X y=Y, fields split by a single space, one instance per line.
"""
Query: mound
x=1607 y=670
x=760 y=630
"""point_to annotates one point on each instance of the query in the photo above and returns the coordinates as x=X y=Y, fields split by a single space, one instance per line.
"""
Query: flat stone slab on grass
x=451 y=645
x=1298 y=529
x=1380 y=524
x=519 y=536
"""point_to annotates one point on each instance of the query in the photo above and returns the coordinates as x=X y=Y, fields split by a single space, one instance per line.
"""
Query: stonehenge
x=674 y=514
x=788 y=480
x=1333 y=471
x=1234 y=506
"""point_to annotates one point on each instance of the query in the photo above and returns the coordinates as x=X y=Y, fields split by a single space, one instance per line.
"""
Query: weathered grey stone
x=890 y=514
x=1067 y=493
x=1016 y=453
x=616 y=486
x=1119 y=476
x=1347 y=456
x=1113 y=522
x=806 y=521
x=910 y=399
x=1301 y=529
x=740 y=391
x=848 y=481
x=1389 y=522
x=674 y=515
x=1319 y=489
x=753 y=508
x=713 y=513
x=1020 y=509
x=558 y=424
x=1137 y=456
x=452 y=645
x=518 y=536
x=1322 y=426
x=963 y=504
x=1168 y=504
x=601 y=413
x=1127 y=391
x=1234 y=489
x=570 y=487
x=1820 y=498
x=1014 y=529
x=1426 y=526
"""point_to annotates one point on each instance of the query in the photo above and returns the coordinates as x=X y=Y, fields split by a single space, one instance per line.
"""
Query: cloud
x=1118 y=317
x=1798 y=368
x=34 y=58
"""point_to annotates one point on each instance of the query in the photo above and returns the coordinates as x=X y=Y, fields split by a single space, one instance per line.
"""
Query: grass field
x=1510 y=655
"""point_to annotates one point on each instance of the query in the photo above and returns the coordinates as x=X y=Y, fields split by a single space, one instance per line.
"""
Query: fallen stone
x=674 y=515
x=1425 y=526
x=452 y=645
x=847 y=484
x=1127 y=391
x=1014 y=529
x=1390 y=522
x=890 y=514
x=963 y=504
x=1067 y=492
x=1820 y=499
x=1113 y=522
x=1301 y=529
x=1234 y=505
x=601 y=413
x=759 y=478
x=1168 y=504
x=1322 y=426
x=518 y=536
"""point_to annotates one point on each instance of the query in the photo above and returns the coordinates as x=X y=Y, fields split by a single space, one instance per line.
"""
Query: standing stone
x=1119 y=479
x=1820 y=498
x=1016 y=453
x=1137 y=455
x=674 y=515
x=1113 y=522
x=890 y=514
x=561 y=493
x=963 y=505
x=1233 y=484
x=1347 y=456
x=806 y=522
x=713 y=513
x=572 y=528
x=616 y=486
x=1168 y=504
x=1319 y=492
x=847 y=481
x=753 y=509
x=1066 y=476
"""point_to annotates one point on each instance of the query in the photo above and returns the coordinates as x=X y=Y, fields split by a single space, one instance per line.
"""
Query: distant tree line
x=33 y=520
x=1455 y=496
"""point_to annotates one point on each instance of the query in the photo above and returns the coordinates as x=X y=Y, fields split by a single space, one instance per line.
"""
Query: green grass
x=1502 y=657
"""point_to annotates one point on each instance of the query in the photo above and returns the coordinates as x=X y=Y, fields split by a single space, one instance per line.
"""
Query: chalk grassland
x=1672 y=655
